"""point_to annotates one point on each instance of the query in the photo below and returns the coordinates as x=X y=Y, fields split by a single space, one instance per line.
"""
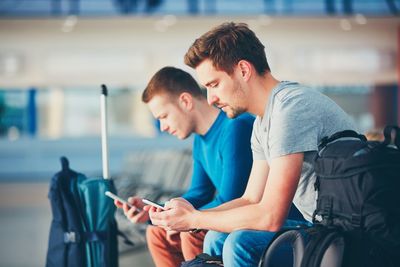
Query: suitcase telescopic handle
x=343 y=134
x=104 y=133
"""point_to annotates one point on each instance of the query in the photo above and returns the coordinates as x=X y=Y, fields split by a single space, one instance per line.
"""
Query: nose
x=211 y=98
x=163 y=126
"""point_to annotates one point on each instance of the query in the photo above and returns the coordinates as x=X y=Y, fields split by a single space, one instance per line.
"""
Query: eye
x=214 y=85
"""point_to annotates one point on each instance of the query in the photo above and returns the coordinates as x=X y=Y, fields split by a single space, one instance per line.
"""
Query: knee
x=212 y=238
x=236 y=242
x=191 y=244
x=245 y=247
x=185 y=237
x=213 y=242
x=154 y=234
x=190 y=238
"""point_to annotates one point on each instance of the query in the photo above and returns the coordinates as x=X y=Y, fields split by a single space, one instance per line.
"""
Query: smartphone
x=152 y=203
x=115 y=197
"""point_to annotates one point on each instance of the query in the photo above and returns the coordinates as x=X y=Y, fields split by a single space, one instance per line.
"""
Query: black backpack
x=83 y=231
x=357 y=219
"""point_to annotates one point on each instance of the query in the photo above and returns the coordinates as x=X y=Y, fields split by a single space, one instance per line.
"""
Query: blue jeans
x=243 y=247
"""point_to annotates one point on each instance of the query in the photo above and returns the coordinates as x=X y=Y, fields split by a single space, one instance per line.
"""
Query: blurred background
x=55 y=54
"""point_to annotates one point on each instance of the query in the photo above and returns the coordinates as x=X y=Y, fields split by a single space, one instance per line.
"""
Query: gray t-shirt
x=295 y=120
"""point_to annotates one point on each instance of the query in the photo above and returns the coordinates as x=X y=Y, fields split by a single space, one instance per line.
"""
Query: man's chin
x=182 y=137
x=232 y=113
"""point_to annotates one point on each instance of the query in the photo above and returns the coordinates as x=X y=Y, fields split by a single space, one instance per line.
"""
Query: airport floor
x=25 y=218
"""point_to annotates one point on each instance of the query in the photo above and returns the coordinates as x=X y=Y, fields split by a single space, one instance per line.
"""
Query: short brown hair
x=227 y=44
x=172 y=81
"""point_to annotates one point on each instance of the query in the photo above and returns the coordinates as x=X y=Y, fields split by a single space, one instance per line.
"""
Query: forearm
x=251 y=216
x=268 y=212
x=235 y=203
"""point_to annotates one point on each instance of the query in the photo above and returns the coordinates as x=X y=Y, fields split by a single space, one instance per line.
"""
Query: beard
x=234 y=112
x=236 y=108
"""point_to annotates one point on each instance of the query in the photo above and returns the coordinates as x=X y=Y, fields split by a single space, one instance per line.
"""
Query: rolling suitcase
x=83 y=230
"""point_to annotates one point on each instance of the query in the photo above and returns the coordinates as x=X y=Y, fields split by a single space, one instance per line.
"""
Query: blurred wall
x=127 y=51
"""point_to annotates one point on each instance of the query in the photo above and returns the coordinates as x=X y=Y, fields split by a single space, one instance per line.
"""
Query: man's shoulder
x=302 y=100
x=297 y=91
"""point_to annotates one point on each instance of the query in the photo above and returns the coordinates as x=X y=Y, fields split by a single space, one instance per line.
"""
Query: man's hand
x=179 y=215
x=136 y=214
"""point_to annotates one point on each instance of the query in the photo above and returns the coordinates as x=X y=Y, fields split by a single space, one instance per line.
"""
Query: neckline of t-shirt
x=214 y=125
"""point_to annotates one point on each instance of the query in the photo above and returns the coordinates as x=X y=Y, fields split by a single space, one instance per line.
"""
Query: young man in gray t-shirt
x=291 y=119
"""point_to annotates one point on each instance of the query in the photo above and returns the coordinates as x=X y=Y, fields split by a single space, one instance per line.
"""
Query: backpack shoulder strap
x=294 y=238
x=316 y=251
x=65 y=169
x=64 y=164
x=347 y=133
x=291 y=235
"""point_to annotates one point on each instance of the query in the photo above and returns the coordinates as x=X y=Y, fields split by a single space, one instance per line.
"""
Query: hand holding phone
x=152 y=203
x=115 y=197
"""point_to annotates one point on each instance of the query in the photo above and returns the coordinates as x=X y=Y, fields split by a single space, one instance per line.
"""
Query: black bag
x=358 y=183
x=357 y=219
x=204 y=260
x=76 y=239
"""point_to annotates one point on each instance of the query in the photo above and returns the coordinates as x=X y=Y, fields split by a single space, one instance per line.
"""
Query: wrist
x=195 y=220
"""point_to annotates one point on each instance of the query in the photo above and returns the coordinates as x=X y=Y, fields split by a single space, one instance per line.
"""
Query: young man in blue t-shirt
x=222 y=158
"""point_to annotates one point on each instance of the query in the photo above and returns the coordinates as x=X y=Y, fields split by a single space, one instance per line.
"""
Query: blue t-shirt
x=222 y=161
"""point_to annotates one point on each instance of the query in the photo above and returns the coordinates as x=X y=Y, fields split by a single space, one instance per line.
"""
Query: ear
x=245 y=68
x=185 y=101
